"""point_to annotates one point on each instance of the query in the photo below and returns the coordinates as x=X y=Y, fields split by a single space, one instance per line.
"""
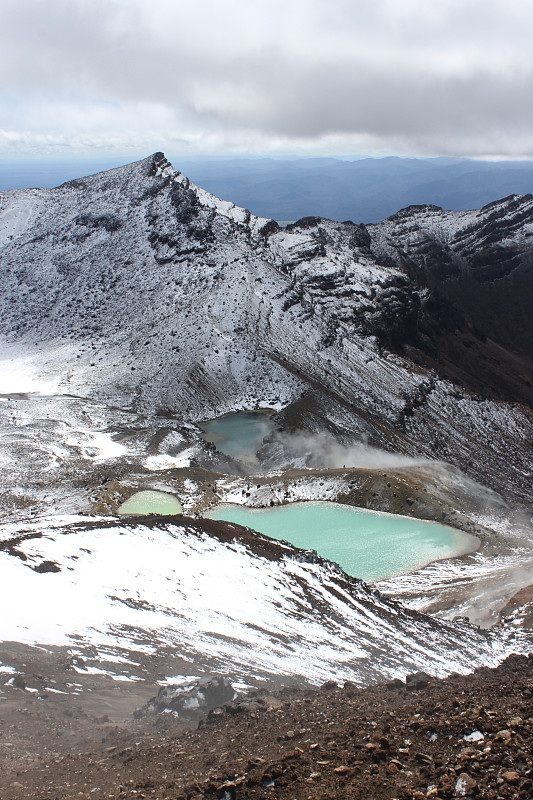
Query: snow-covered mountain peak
x=134 y=304
x=169 y=298
x=164 y=169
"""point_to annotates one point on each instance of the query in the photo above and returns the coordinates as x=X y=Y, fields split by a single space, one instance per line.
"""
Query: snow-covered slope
x=134 y=304
x=136 y=288
x=114 y=593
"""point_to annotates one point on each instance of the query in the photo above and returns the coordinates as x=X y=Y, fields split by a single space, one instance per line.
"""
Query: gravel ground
x=464 y=736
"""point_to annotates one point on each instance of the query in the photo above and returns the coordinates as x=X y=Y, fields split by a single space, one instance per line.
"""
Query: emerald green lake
x=367 y=544
x=239 y=434
x=150 y=501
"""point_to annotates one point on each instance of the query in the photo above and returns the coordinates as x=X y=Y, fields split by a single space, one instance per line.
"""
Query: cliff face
x=474 y=271
x=140 y=289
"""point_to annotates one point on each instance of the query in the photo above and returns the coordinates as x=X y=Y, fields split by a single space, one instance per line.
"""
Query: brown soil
x=523 y=599
x=397 y=741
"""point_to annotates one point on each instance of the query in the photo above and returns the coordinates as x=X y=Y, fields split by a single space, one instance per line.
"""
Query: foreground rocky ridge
x=137 y=288
x=125 y=608
x=459 y=737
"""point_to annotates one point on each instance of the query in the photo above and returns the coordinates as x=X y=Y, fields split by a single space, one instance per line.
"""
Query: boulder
x=188 y=700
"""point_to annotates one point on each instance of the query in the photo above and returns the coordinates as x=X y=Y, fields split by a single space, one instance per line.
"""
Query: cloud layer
x=449 y=77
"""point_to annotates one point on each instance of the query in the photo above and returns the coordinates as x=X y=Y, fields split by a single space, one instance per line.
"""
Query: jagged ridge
x=146 y=291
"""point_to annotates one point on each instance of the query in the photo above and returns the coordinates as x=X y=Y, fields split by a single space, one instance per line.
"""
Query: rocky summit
x=139 y=289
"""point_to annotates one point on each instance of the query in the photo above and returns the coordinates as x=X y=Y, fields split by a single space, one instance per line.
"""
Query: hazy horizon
x=21 y=172
x=362 y=190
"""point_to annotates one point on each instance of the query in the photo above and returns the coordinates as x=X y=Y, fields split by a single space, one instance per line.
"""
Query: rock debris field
x=463 y=736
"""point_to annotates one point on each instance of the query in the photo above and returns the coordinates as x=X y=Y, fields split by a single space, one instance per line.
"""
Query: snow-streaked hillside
x=138 y=289
x=116 y=592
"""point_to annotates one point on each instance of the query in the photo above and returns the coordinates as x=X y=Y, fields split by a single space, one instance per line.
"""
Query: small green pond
x=150 y=501
x=239 y=434
x=367 y=544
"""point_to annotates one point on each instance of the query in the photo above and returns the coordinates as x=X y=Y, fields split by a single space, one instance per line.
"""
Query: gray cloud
x=443 y=77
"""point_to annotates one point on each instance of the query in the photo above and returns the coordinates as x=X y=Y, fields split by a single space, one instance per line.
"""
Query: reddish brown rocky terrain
x=464 y=736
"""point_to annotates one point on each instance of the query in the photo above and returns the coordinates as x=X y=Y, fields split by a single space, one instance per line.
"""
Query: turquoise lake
x=367 y=544
x=238 y=435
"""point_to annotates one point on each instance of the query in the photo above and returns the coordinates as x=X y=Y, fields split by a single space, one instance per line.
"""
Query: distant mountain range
x=368 y=190
x=364 y=190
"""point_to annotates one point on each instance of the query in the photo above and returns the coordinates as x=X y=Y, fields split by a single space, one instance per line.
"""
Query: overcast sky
x=314 y=77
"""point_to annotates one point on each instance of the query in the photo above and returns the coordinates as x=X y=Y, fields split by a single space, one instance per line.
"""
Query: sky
x=125 y=78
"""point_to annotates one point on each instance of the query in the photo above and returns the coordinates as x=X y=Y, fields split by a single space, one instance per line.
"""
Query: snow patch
x=26 y=375
x=165 y=461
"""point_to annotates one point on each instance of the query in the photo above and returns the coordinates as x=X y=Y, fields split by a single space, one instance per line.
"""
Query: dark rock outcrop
x=190 y=701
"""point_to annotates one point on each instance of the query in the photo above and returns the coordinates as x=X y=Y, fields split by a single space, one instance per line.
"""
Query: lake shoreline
x=367 y=540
